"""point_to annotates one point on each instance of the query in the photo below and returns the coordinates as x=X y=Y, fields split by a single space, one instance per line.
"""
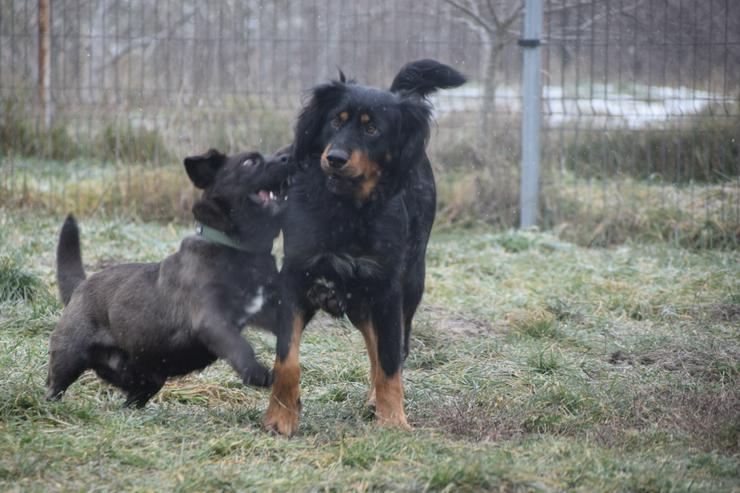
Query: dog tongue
x=265 y=196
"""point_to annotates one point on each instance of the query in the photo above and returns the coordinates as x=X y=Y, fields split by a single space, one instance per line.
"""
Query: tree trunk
x=486 y=119
x=44 y=60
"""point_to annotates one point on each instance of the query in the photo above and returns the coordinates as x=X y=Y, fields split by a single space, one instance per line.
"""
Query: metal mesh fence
x=640 y=98
x=641 y=106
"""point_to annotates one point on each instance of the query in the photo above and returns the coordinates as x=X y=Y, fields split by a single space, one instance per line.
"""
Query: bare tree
x=497 y=23
x=494 y=23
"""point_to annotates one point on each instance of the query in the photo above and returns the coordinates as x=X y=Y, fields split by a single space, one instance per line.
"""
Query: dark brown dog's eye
x=371 y=130
x=248 y=162
x=336 y=122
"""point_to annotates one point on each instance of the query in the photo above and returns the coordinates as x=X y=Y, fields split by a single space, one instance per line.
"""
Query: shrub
x=260 y=130
x=128 y=144
x=15 y=283
x=707 y=149
x=20 y=136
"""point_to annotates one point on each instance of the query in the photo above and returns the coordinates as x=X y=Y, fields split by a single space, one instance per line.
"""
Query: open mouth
x=272 y=197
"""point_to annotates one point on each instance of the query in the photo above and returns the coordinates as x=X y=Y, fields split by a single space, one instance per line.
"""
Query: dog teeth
x=272 y=195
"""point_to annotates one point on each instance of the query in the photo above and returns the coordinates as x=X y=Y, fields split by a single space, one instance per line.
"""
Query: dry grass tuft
x=615 y=211
x=161 y=194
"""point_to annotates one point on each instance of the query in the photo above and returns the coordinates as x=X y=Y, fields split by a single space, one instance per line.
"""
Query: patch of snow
x=599 y=104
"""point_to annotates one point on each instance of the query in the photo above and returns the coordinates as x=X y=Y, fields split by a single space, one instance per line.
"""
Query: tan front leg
x=371 y=344
x=285 y=402
x=389 y=400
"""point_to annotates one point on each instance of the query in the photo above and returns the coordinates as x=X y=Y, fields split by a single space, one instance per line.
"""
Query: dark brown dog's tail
x=70 y=272
x=423 y=77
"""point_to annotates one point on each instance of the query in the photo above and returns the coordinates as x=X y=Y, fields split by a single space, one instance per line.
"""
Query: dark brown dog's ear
x=202 y=169
x=209 y=213
x=414 y=131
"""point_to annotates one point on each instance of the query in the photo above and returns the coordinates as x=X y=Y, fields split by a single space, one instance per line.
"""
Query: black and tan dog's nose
x=337 y=158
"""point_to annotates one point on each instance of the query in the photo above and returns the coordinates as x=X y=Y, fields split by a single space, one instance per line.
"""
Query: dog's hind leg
x=360 y=318
x=115 y=367
x=69 y=354
x=413 y=289
x=371 y=344
x=142 y=388
x=66 y=364
x=387 y=322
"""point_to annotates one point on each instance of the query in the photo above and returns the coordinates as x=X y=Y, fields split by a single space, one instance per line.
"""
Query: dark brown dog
x=357 y=223
x=136 y=325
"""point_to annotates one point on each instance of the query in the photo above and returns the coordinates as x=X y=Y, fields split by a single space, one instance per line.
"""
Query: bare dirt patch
x=716 y=312
x=464 y=418
x=450 y=322
x=710 y=417
x=714 y=365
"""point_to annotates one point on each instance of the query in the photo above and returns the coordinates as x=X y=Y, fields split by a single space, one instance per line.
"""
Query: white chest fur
x=255 y=305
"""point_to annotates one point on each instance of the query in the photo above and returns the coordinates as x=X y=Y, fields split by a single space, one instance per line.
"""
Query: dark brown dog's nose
x=337 y=158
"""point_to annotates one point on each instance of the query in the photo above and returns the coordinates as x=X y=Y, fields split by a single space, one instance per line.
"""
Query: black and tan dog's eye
x=371 y=130
x=336 y=122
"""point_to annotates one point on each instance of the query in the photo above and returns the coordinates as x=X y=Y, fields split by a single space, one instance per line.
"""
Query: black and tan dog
x=136 y=325
x=358 y=220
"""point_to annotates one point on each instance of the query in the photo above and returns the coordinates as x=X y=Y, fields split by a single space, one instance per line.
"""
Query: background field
x=640 y=103
x=536 y=364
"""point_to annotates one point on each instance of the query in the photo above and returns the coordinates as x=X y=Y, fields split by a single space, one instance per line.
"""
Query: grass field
x=536 y=364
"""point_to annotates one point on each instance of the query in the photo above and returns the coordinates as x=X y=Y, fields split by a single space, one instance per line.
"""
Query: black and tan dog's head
x=243 y=194
x=367 y=138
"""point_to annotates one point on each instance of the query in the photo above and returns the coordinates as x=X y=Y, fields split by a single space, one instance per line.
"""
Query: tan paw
x=371 y=398
x=281 y=419
x=393 y=421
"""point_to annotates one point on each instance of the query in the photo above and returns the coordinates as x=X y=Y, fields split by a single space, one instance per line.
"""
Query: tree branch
x=491 y=8
x=146 y=41
x=496 y=19
x=512 y=17
x=472 y=15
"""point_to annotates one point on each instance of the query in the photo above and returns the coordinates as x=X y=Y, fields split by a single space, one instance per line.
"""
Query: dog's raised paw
x=335 y=304
x=323 y=295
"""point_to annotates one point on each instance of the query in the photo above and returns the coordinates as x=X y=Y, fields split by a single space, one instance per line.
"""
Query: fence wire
x=640 y=101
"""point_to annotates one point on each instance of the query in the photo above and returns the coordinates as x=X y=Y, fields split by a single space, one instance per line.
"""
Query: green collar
x=219 y=237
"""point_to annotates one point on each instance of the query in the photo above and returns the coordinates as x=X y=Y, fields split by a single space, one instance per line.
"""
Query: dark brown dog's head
x=367 y=138
x=243 y=195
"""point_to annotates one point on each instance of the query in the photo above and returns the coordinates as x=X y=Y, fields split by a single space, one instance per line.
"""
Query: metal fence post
x=530 y=172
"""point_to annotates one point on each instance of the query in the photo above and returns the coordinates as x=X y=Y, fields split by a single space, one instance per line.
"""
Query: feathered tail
x=70 y=272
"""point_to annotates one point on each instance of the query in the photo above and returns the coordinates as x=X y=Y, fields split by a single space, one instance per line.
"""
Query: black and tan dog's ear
x=414 y=132
x=202 y=169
